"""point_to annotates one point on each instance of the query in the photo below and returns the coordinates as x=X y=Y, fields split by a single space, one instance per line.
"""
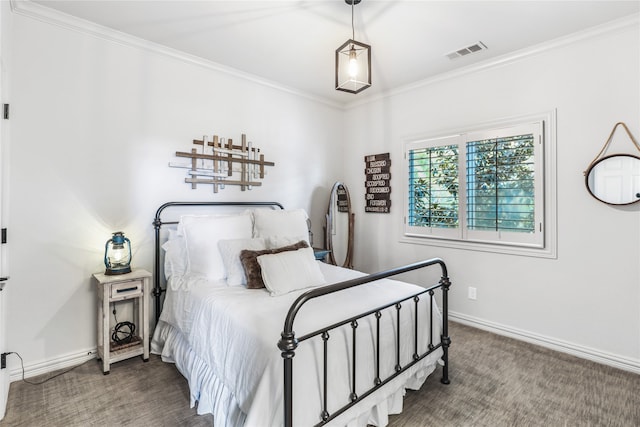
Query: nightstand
x=320 y=254
x=133 y=286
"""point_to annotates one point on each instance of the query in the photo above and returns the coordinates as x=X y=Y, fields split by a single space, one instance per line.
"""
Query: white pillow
x=230 y=251
x=291 y=224
x=202 y=234
x=289 y=271
x=275 y=242
x=175 y=255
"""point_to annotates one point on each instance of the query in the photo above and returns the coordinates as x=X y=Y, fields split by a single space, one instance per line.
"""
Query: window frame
x=544 y=244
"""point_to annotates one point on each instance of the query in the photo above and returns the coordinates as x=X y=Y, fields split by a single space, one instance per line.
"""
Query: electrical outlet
x=3 y=360
x=472 y=293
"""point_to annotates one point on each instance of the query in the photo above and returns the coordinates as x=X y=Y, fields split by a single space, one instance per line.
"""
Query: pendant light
x=353 y=62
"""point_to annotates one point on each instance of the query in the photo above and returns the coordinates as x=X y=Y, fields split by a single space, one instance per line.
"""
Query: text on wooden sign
x=377 y=183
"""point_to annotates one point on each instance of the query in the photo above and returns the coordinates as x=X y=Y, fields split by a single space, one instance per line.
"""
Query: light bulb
x=119 y=253
x=353 y=63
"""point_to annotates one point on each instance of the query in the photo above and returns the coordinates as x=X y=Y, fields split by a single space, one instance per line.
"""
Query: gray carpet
x=495 y=381
x=498 y=381
x=133 y=394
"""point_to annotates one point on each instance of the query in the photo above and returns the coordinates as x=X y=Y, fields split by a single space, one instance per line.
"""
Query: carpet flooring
x=495 y=381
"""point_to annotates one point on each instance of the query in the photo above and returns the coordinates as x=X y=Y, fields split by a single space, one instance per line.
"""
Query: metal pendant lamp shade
x=353 y=62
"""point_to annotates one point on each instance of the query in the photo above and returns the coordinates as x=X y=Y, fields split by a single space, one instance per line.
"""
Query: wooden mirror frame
x=348 y=261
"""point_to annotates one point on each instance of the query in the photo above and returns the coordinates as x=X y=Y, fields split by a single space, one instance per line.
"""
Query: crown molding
x=51 y=16
x=618 y=25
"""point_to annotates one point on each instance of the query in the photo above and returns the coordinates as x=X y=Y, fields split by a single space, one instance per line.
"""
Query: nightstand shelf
x=133 y=286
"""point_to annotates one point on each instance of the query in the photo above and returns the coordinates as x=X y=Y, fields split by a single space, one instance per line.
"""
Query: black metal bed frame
x=158 y=290
x=288 y=342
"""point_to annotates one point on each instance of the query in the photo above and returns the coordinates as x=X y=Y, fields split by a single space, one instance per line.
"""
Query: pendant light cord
x=353 y=31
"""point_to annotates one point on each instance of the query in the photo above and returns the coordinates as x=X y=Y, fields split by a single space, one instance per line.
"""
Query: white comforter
x=224 y=341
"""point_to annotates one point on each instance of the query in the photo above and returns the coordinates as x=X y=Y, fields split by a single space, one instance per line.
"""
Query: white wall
x=585 y=301
x=94 y=125
x=5 y=49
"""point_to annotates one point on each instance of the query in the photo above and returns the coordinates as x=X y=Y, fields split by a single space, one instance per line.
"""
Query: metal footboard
x=289 y=342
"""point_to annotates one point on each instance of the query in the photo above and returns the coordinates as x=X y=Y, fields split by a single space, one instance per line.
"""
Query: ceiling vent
x=476 y=47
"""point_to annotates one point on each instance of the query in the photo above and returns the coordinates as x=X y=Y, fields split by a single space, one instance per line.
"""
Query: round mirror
x=339 y=229
x=615 y=179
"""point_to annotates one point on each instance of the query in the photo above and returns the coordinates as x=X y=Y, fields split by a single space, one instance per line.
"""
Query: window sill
x=547 y=252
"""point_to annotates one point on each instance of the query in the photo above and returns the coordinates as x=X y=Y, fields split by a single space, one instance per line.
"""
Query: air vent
x=476 y=47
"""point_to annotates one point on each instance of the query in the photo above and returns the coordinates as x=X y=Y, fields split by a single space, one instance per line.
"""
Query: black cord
x=44 y=381
x=353 y=31
x=120 y=336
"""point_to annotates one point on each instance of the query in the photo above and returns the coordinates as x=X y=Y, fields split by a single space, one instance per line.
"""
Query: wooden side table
x=320 y=254
x=130 y=286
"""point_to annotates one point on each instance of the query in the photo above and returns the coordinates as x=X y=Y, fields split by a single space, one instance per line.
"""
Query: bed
x=298 y=342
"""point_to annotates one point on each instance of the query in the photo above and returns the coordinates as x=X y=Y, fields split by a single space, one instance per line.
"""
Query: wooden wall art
x=377 y=183
x=218 y=162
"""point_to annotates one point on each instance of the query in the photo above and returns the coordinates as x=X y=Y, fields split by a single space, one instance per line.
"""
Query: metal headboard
x=158 y=223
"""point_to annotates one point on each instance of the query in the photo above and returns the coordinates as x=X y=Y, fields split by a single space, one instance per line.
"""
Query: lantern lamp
x=353 y=62
x=117 y=254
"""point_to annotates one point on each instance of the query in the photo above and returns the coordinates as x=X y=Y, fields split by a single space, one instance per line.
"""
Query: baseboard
x=63 y=362
x=616 y=361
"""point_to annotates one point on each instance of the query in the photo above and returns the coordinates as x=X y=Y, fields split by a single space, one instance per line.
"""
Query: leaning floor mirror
x=340 y=226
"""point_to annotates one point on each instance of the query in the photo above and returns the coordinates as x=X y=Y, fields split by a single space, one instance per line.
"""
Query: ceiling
x=293 y=43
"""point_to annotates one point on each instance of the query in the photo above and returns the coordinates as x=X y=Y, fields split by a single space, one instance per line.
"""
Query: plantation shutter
x=484 y=186
x=434 y=181
x=504 y=185
x=433 y=190
x=500 y=184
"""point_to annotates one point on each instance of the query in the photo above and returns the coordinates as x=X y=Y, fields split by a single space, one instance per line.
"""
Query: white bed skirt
x=212 y=396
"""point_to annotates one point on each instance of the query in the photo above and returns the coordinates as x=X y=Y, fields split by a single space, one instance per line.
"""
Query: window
x=433 y=202
x=433 y=178
x=479 y=187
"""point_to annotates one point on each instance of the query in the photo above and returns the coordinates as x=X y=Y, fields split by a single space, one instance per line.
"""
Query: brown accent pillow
x=249 y=260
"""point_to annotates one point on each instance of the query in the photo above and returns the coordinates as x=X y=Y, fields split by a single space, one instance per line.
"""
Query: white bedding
x=224 y=341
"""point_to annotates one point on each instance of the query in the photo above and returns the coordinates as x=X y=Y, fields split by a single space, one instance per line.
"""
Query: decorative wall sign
x=378 y=183
x=219 y=160
x=342 y=199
